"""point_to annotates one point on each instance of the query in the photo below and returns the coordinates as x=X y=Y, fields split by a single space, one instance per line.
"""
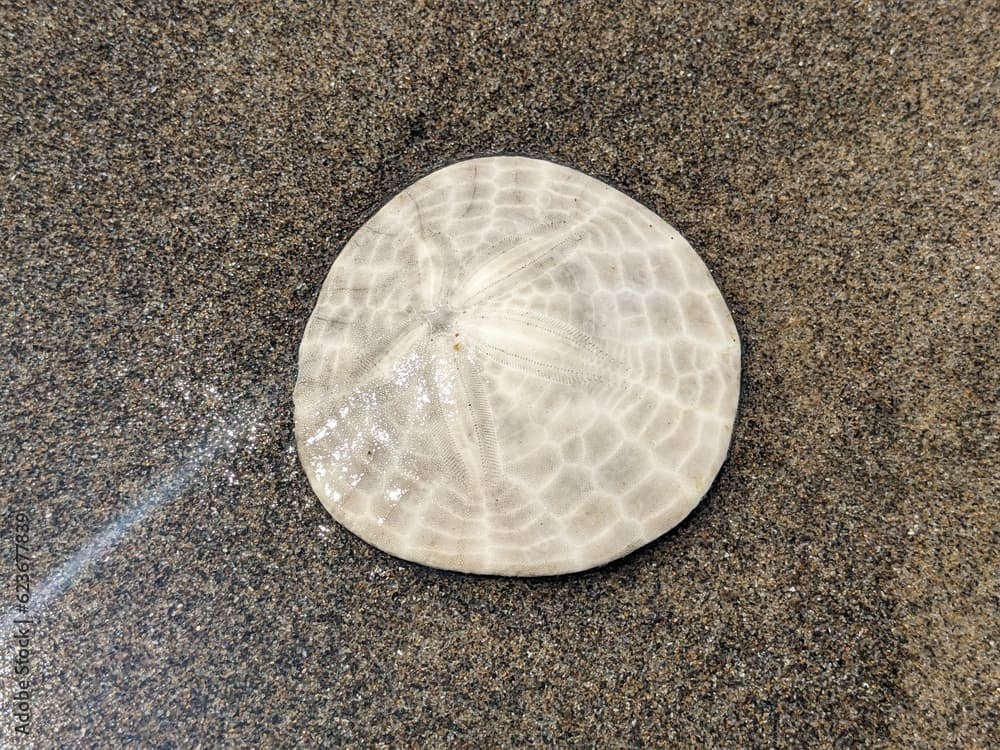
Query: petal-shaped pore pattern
x=513 y=368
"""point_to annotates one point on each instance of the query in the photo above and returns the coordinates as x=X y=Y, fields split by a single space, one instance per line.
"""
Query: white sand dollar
x=514 y=368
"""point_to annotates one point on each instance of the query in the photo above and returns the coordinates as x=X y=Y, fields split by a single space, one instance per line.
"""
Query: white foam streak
x=167 y=488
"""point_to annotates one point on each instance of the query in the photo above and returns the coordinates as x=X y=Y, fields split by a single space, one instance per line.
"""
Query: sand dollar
x=514 y=368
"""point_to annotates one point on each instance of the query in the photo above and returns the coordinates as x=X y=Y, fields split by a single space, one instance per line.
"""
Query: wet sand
x=176 y=184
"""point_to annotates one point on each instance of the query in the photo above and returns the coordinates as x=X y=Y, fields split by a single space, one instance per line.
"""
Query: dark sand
x=175 y=185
